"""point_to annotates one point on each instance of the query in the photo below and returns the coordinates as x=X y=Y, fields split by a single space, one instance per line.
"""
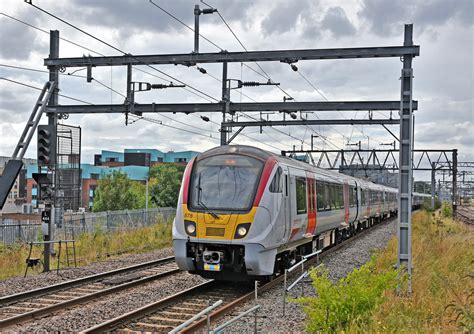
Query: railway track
x=166 y=314
x=465 y=213
x=21 y=307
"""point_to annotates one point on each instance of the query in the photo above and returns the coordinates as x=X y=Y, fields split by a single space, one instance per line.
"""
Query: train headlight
x=242 y=230
x=190 y=228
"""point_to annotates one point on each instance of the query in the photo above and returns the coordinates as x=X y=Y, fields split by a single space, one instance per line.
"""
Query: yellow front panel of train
x=222 y=228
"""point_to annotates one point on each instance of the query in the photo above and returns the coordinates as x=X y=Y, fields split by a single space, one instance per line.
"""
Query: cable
x=81 y=46
x=267 y=75
x=63 y=74
x=184 y=24
x=47 y=32
x=37 y=88
x=217 y=46
x=156 y=121
x=117 y=49
x=121 y=51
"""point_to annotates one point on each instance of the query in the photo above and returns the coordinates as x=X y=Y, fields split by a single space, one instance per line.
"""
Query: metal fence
x=77 y=223
x=23 y=231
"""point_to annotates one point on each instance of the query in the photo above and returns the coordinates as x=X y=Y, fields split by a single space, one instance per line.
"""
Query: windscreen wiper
x=201 y=204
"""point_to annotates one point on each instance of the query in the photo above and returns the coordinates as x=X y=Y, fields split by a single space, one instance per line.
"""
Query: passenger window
x=300 y=195
x=327 y=196
x=320 y=195
x=276 y=186
x=340 y=196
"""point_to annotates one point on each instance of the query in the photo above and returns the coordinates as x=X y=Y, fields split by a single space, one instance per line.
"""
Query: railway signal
x=46 y=145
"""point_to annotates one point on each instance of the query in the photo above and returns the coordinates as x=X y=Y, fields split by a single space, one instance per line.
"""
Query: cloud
x=283 y=17
x=24 y=42
x=337 y=22
x=385 y=17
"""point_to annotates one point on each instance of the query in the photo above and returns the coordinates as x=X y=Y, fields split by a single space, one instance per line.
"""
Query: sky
x=443 y=73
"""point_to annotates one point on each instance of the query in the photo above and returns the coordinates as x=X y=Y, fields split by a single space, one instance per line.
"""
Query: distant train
x=245 y=213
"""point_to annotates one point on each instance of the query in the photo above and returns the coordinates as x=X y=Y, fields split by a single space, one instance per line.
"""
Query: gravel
x=339 y=264
x=270 y=314
x=86 y=316
x=20 y=284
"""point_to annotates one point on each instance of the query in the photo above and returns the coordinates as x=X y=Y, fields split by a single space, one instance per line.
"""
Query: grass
x=90 y=247
x=442 y=281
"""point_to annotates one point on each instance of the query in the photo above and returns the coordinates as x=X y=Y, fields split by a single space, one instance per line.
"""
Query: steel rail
x=308 y=264
x=155 y=306
x=68 y=303
x=87 y=279
x=147 y=309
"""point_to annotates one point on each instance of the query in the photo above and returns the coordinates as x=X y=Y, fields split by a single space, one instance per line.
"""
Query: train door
x=311 y=196
x=357 y=200
x=346 y=201
x=286 y=202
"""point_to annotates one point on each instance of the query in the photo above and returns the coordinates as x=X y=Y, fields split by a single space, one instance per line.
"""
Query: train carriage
x=246 y=213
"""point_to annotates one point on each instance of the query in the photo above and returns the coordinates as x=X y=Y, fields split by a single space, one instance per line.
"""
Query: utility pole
x=197 y=12
x=52 y=123
x=406 y=163
x=455 y=180
x=433 y=184
x=226 y=103
x=146 y=200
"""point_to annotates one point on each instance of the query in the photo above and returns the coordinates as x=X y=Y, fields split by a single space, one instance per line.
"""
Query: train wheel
x=338 y=237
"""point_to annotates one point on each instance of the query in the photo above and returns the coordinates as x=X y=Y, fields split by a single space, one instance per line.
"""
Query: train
x=244 y=213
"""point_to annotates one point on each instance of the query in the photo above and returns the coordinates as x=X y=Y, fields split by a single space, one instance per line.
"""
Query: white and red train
x=245 y=213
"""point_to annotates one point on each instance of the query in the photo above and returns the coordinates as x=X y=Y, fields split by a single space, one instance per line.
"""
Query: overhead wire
x=119 y=50
x=39 y=88
x=299 y=72
x=267 y=76
x=63 y=74
x=94 y=51
x=89 y=103
x=110 y=45
x=217 y=46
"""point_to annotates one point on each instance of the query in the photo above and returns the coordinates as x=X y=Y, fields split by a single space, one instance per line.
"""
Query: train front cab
x=230 y=224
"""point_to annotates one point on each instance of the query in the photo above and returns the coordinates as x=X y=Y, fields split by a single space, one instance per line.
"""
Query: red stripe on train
x=267 y=170
x=187 y=179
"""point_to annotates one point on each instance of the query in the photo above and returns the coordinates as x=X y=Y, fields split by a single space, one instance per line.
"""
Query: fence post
x=107 y=220
x=83 y=222
x=284 y=291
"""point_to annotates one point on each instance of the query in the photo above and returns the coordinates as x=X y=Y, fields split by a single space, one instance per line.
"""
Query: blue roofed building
x=135 y=163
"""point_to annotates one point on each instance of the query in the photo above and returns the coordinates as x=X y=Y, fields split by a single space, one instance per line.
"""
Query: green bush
x=351 y=299
x=446 y=209
x=426 y=205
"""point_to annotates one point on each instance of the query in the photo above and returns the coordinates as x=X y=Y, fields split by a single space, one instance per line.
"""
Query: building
x=135 y=163
x=141 y=157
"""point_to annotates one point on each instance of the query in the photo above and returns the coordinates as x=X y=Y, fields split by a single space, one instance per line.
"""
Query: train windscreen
x=224 y=182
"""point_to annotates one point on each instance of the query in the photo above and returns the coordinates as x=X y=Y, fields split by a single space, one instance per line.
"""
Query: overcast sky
x=443 y=82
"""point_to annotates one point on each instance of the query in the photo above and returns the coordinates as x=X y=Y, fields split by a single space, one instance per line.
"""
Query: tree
x=117 y=192
x=164 y=190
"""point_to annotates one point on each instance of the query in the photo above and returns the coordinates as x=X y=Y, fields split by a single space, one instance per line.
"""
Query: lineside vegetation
x=90 y=247
x=366 y=300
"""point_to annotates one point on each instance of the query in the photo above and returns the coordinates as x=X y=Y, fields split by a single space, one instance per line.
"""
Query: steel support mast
x=405 y=161
x=52 y=121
